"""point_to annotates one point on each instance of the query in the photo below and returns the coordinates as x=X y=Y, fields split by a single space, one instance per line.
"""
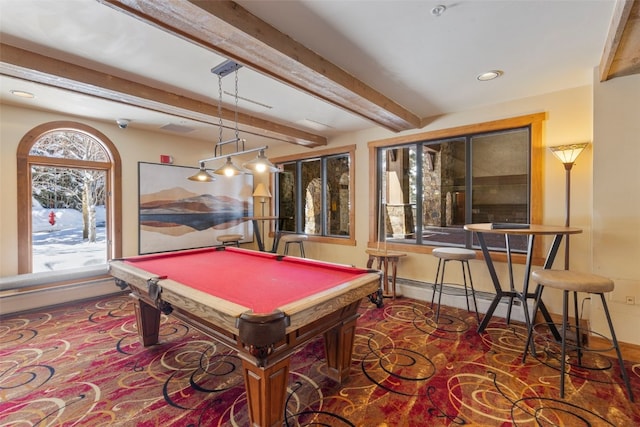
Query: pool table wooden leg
x=338 y=345
x=266 y=392
x=148 y=321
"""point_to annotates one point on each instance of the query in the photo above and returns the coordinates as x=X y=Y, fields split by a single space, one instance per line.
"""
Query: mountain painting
x=175 y=213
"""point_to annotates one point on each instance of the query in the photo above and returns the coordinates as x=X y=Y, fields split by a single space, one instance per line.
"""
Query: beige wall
x=133 y=145
x=616 y=201
x=570 y=119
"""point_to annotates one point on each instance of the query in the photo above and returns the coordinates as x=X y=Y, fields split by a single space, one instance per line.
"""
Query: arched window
x=69 y=200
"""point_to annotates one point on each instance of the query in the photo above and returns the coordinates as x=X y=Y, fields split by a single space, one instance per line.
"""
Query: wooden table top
x=537 y=229
x=262 y=218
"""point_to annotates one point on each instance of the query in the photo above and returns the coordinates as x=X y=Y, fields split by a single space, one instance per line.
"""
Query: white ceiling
x=427 y=64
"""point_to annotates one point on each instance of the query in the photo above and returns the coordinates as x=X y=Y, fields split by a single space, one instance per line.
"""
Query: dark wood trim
x=621 y=56
x=24 y=162
x=534 y=121
x=345 y=149
x=231 y=31
x=31 y=66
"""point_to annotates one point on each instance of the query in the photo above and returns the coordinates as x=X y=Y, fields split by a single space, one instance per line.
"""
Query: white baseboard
x=451 y=297
x=19 y=301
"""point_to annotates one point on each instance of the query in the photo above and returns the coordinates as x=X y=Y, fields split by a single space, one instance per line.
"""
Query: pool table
x=263 y=305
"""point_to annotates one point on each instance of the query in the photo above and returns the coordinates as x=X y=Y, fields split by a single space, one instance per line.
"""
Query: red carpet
x=83 y=365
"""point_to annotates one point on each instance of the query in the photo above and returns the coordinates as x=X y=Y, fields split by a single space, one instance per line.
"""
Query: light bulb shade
x=260 y=164
x=228 y=169
x=261 y=191
x=202 y=175
x=568 y=154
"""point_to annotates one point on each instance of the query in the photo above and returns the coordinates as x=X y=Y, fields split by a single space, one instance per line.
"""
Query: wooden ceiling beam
x=621 y=56
x=49 y=71
x=231 y=31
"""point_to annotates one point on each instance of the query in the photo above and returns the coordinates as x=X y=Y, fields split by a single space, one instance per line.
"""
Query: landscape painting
x=175 y=213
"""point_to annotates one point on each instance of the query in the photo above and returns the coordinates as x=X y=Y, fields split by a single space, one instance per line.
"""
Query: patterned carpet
x=83 y=365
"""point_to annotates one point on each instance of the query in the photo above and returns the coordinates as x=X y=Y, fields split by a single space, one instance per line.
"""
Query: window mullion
x=419 y=193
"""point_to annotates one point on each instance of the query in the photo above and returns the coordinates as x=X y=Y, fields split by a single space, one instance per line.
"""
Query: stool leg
x=444 y=266
x=435 y=283
x=286 y=248
x=623 y=371
x=473 y=291
x=530 y=342
x=464 y=280
x=302 y=250
x=565 y=324
x=578 y=335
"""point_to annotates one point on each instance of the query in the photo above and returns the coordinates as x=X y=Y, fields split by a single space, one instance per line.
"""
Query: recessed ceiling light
x=314 y=124
x=22 y=93
x=489 y=75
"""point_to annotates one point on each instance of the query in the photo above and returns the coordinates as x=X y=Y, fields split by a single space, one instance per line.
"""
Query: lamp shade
x=228 y=169
x=568 y=154
x=260 y=164
x=202 y=175
x=261 y=190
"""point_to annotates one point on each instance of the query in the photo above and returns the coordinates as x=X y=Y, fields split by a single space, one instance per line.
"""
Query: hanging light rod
x=237 y=153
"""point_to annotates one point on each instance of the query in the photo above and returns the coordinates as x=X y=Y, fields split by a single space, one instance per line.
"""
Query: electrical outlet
x=631 y=300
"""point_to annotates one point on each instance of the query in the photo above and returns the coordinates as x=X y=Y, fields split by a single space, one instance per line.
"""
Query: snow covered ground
x=60 y=246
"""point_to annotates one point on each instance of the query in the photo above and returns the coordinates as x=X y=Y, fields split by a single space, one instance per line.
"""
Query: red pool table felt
x=260 y=281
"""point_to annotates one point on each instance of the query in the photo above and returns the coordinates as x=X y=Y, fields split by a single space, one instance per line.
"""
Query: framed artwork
x=175 y=213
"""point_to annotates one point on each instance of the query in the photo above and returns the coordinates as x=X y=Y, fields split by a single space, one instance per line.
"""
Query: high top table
x=531 y=231
x=257 y=232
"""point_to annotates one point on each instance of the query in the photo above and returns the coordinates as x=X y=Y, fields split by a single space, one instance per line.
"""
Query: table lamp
x=263 y=193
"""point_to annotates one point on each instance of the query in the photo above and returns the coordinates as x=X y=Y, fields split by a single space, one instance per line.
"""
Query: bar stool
x=445 y=255
x=297 y=239
x=571 y=281
x=385 y=260
x=230 y=239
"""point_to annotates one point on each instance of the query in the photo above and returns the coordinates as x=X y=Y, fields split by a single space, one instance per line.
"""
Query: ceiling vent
x=172 y=127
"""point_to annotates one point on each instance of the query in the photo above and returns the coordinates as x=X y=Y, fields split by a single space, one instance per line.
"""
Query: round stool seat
x=229 y=238
x=463 y=256
x=293 y=238
x=459 y=254
x=296 y=239
x=573 y=281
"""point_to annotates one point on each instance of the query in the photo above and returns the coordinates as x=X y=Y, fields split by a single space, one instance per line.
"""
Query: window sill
x=24 y=282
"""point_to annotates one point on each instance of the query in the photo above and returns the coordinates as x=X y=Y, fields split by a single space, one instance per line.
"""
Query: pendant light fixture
x=202 y=175
x=260 y=164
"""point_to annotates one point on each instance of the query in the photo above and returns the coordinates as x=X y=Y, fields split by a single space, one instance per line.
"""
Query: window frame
x=533 y=121
x=349 y=151
x=114 y=185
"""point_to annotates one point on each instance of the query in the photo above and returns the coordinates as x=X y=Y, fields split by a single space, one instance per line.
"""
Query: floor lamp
x=263 y=193
x=568 y=154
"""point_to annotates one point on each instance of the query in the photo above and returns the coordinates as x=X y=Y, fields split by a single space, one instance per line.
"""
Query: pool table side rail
x=190 y=300
x=323 y=303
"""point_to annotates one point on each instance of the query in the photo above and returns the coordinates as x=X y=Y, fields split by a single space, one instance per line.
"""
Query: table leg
x=385 y=274
x=512 y=287
x=338 y=345
x=266 y=392
x=148 y=321
x=548 y=263
x=256 y=231
x=525 y=283
x=494 y=279
x=394 y=271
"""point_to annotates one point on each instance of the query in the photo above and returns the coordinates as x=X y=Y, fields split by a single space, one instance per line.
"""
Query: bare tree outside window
x=68 y=202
